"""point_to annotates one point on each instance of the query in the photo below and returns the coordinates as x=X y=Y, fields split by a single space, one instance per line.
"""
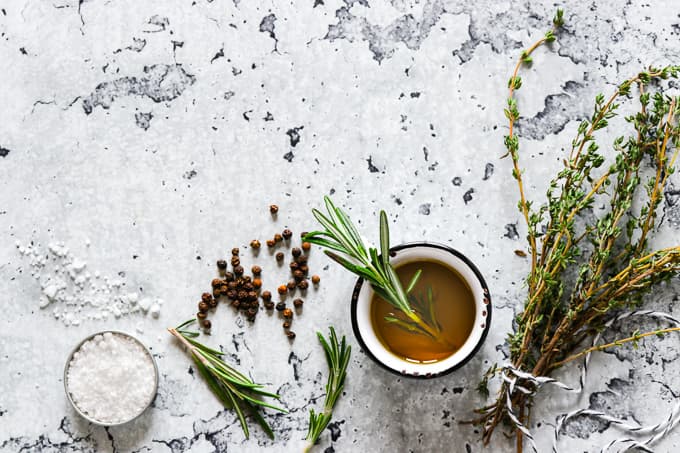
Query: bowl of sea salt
x=110 y=378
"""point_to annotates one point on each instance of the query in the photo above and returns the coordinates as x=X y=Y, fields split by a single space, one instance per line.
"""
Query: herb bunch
x=234 y=390
x=341 y=236
x=337 y=357
x=586 y=269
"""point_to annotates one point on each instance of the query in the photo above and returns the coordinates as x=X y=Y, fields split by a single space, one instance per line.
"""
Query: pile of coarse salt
x=111 y=378
x=76 y=293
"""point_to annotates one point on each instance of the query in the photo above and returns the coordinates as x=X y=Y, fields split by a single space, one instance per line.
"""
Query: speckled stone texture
x=160 y=131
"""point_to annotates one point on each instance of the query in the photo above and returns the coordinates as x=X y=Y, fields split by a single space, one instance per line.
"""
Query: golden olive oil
x=454 y=308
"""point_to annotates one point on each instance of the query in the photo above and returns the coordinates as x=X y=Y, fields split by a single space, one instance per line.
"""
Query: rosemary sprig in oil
x=340 y=235
x=337 y=357
x=234 y=390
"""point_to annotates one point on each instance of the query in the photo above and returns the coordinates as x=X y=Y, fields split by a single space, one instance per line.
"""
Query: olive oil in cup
x=450 y=290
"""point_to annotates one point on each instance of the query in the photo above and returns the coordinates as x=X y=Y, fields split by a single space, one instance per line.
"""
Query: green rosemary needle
x=235 y=390
x=337 y=356
x=340 y=235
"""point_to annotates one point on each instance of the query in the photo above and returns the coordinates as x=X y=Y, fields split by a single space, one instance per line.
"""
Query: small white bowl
x=68 y=393
x=369 y=341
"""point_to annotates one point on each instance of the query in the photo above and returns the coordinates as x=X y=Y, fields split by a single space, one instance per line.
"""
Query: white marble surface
x=158 y=133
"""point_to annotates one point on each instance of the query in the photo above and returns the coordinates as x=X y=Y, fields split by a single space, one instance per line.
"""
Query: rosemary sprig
x=340 y=235
x=583 y=270
x=337 y=357
x=235 y=390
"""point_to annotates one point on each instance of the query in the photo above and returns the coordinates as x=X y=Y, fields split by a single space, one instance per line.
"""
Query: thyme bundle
x=234 y=390
x=586 y=270
x=340 y=235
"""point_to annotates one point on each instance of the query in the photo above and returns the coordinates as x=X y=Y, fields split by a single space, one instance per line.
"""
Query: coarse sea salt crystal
x=111 y=378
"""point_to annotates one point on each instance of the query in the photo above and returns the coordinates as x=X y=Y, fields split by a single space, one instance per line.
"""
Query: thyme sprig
x=337 y=357
x=234 y=390
x=586 y=269
x=340 y=235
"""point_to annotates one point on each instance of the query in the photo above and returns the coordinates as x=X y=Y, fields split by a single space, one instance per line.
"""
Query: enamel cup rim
x=371 y=344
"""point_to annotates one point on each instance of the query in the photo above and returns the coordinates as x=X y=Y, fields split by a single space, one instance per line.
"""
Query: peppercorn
x=304 y=268
x=280 y=306
x=257 y=283
x=306 y=246
x=283 y=289
x=249 y=286
x=303 y=285
x=287 y=313
x=232 y=284
x=255 y=244
x=235 y=261
x=252 y=311
x=232 y=294
x=316 y=279
x=269 y=305
x=298 y=274
x=279 y=257
x=247 y=279
x=207 y=324
x=278 y=237
x=302 y=259
x=291 y=285
x=273 y=209
x=203 y=307
x=217 y=292
x=213 y=303
x=256 y=270
x=287 y=234
x=201 y=315
x=216 y=282
x=266 y=296
x=286 y=324
x=235 y=251
x=221 y=264
x=296 y=252
x=271 y=243
x=293 y=265
x=236 y=303
x=229 y=276
x=252 y=295
x=238 y=270
x=298 y=303
x=291 y=335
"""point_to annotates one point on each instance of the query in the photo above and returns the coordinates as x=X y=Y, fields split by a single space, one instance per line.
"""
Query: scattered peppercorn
x=235 y=251
x=304 y=269
x=221 y=264
x=217 y=292
x=278 y=237
x=255 y=244
x=203 y=307
x=303 y=285
x=201 y=315
x=238 y=270
x=213 y=302
x=252 y=311
x=248 y=286
x=279 y=257
x=257 y=283
x=286 y=324
x=207 y=324
x=287 y=313
x=293 y=265
x=229 y=276
x=302 y=259
x=298 y=303
x=291 y=285
x=298 y=275
x=273 y=209
x=296 y=252
x=269 y=305
x=216 y=282
x=266 y=296
x=303 y=234
x=236 y=303
x=232 y=284
x=280 y=306
x=287 y=234
x=271 y=243
x=291 y=335
x=252 y=296
x=283 y=289
x=256 y=270
x=306 y=246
